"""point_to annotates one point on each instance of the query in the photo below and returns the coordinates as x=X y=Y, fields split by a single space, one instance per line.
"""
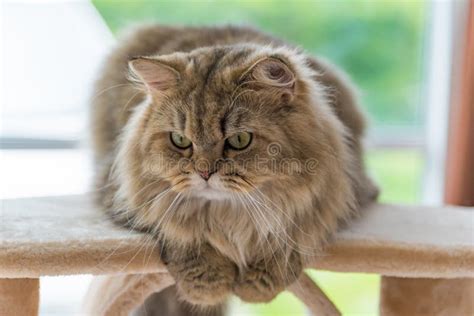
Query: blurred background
x=401 y=54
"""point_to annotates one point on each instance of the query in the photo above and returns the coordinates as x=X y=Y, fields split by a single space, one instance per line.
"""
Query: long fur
x=253 y=233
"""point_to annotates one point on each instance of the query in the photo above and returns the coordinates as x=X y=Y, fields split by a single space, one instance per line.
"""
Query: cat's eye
x=240 y=140
x=180 y=141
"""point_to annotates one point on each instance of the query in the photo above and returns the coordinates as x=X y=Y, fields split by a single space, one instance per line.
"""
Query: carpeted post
x=19 y=297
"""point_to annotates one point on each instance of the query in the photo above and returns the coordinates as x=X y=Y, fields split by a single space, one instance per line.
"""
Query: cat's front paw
x=205 y=277
x=262 y=281
x=258 y=285
x=206 y=285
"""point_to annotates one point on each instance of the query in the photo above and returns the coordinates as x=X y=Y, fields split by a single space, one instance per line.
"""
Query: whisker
x=289 y=240
x=273 y=253
x=269 y=245
x=252 y=219
x=133 y=227
x=168 y=211
x=266 y=198
x=99 y=93
x=296 y=246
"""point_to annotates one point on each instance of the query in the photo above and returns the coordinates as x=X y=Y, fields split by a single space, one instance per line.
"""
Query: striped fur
x=253 y=237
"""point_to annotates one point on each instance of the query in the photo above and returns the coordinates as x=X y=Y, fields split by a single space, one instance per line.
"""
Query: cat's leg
x=264 y=279
x=203 y=275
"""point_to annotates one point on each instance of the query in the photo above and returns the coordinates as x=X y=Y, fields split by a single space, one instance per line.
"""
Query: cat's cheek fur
x=124 y=171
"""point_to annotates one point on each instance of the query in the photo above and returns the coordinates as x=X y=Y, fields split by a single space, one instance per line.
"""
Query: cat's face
x=228 y=120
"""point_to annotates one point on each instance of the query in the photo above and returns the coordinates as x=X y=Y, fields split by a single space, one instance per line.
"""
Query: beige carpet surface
x=69 y=235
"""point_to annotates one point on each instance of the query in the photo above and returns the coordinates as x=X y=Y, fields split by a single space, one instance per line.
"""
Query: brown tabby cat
x=240 y=154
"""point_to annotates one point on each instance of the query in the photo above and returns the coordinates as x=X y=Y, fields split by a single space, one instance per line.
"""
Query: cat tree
x=68 y=235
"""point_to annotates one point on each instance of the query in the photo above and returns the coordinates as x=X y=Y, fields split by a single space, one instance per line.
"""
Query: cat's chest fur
x=228 y=227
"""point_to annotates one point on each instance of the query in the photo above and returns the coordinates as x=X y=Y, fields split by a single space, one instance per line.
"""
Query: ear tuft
x=273 y=72
x=153 y=73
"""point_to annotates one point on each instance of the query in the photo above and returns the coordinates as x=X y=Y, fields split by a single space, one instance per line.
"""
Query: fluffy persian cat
x=240 y=154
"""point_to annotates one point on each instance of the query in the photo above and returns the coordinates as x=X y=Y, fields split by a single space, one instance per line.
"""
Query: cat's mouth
x=212 y=194
x=211 y=189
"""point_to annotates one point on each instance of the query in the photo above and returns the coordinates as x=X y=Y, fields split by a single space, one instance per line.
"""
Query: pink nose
x=205 y=175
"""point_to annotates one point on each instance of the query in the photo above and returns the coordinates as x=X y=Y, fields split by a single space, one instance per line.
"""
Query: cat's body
x=249 y=231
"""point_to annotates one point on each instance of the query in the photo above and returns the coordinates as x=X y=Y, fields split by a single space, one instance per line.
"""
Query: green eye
x=180 y=141
x=240 y=140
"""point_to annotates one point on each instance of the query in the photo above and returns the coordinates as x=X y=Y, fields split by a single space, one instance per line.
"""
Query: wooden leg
x=430 y=297
x=118 y=295
x=314 y=298
x=19 y=297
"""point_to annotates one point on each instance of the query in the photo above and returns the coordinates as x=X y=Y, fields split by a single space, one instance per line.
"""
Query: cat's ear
x=274 y=73
x=154 y=74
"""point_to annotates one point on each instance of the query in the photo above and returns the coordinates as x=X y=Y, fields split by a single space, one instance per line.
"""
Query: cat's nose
x=205 y=174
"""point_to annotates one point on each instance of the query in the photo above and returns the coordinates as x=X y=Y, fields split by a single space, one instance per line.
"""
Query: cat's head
x=223 y=121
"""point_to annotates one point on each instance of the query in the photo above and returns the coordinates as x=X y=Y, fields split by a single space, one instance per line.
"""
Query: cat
x=238 y=153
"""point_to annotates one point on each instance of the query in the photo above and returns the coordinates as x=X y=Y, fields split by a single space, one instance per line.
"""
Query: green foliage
x=378 y=43
x=354 y=294
x=398 y=172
